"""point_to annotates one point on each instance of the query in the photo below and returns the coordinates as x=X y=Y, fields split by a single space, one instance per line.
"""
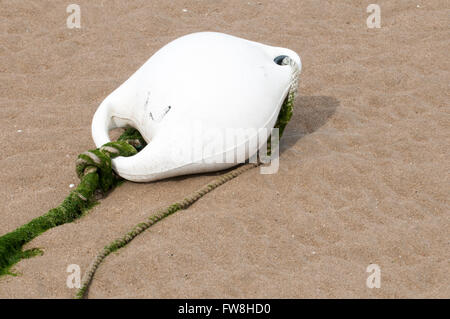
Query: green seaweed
x=285 y=115
x=17 y=256
x=93 y=176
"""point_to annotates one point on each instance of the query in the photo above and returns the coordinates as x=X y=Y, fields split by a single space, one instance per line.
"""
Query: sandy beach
x=364 y=164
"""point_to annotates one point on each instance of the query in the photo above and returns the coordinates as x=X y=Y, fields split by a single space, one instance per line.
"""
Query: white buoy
x=192 y=94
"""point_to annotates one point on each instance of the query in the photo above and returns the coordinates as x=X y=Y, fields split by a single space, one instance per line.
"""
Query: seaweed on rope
x=95 y=172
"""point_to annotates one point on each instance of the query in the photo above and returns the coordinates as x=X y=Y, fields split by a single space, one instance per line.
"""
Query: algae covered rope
x=95 y=172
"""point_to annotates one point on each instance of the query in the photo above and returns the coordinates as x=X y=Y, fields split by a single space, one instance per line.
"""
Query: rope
x=141 y=227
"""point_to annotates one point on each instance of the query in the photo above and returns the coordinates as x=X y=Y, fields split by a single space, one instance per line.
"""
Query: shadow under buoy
x=310 y=113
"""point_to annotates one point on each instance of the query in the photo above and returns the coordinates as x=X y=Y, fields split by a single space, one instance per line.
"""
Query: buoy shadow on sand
x=310 y=113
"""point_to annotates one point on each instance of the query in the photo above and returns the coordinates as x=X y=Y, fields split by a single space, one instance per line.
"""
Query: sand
x=363 y=172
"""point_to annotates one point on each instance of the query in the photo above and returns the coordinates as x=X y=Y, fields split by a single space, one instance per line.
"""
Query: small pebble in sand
x=313 y=252
x=19 y=131
x=71 y=185
x=418 y=6
x=185 y=10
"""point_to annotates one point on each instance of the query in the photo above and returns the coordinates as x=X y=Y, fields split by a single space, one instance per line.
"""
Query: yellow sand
x=364 y=169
